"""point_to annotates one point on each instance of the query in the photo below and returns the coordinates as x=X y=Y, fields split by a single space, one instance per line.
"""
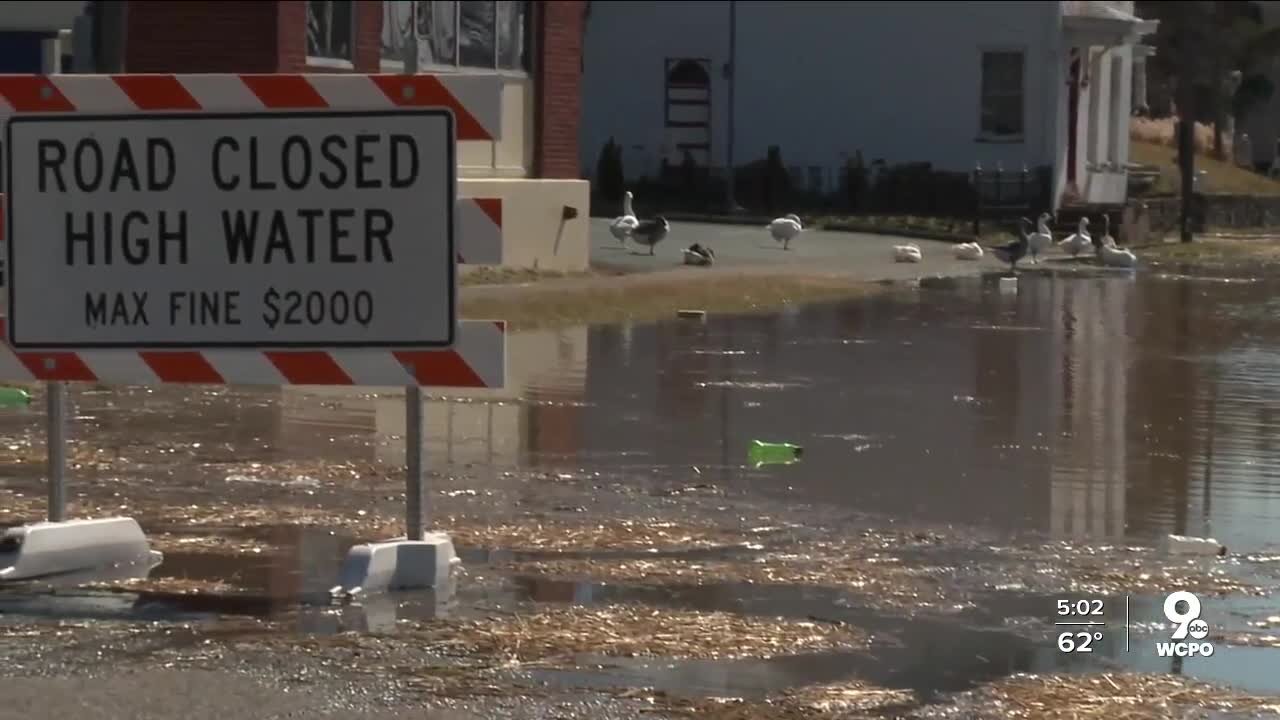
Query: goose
x=651 y=232
x=785 y=229
x=700 y=255
x=1112 y=256
x=1041 y=239
x=907 y=253
x=1016 y=250
x=1079 y=241
x=623 y=225
x=1106 y=232
x=969 y=251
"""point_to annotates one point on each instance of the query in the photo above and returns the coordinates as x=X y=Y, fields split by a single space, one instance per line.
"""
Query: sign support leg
x=415 y=489
x=422 y=559
x=87 y=548
x=56 y=439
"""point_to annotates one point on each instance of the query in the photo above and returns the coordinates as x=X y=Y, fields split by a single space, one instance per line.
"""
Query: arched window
x=688 y=110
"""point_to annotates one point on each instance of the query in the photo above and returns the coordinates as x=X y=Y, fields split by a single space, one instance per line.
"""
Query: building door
x=688 y=111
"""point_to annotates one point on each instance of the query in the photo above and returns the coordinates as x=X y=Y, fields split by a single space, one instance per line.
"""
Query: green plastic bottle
x=11 y=397
x=768 y=453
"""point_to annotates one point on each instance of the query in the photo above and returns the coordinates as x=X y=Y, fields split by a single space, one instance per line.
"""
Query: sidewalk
x=862 y=256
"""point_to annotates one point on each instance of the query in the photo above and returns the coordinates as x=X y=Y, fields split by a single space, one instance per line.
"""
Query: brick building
x=536 y=47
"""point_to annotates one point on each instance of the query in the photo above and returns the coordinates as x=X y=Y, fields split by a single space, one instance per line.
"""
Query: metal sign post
x=56 y=439
x=415 y=479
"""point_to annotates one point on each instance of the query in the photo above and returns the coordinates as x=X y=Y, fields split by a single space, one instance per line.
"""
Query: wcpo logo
x=1187 y=622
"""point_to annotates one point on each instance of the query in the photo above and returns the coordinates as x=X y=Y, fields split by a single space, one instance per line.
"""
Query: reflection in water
x=1088 y=359
x=292 y=582
x=1084 y=408
x=545 y=371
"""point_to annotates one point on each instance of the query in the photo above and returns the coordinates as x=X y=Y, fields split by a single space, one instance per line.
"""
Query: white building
x=1044 y=83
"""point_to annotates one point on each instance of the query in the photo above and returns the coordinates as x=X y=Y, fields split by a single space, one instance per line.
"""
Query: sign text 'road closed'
x=182 y=230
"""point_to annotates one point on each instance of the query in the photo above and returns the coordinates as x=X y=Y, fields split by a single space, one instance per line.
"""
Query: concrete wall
x=899 y=81
x=513 y=155
x=535 y=233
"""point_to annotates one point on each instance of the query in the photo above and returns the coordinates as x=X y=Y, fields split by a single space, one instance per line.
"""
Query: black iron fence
x=768 y=187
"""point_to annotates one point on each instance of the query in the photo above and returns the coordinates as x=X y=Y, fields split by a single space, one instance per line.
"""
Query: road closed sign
x=279 y=230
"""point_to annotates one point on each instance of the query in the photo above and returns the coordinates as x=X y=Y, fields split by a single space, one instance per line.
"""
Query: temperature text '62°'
x=1078 y=642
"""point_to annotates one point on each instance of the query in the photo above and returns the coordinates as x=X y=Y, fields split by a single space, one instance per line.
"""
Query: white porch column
x=1140 y=55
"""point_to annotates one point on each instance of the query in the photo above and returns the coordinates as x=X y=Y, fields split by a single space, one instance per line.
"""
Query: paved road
x=746 y=245
x=252 y=692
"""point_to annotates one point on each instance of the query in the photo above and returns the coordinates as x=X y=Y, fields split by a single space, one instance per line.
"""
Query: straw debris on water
x=613 y=534
x=883 y=580
x=842 y=701
x=633 y=631
x=1113 y=696
x=1117 y=696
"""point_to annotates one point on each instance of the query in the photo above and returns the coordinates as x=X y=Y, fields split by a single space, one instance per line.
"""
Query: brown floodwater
x=1114 y=408
x=1094 y=408
x=1082 y=408
x=1089 y=408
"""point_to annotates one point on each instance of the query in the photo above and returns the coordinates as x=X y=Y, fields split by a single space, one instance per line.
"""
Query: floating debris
x=878 y=581
x=749 y=385
x=821 y=702
x=1114 y=696
x=176 y=542
x=170 y=586
x=760 y=452
x=1248 y=640
x=636 y=631
x=1184 y=545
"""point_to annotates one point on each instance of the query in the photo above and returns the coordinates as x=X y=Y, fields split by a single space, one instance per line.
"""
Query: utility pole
x=731 y=74
x=1186 y=94
x=1186 y=162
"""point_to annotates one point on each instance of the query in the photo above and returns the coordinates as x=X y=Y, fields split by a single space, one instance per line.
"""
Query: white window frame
x=332 y=62
x=982 y=134
x=456 y=67
x=1097 y=123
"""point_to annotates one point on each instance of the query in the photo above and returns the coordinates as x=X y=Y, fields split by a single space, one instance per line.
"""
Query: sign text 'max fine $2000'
x=315 y=230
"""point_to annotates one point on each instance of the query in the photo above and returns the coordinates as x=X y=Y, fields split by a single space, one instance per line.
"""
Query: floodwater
x=1112 y=409
x=1101 y=408
x=1098 y=409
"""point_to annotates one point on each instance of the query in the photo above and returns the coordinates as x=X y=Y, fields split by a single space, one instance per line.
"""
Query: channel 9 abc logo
x=1187 y=624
